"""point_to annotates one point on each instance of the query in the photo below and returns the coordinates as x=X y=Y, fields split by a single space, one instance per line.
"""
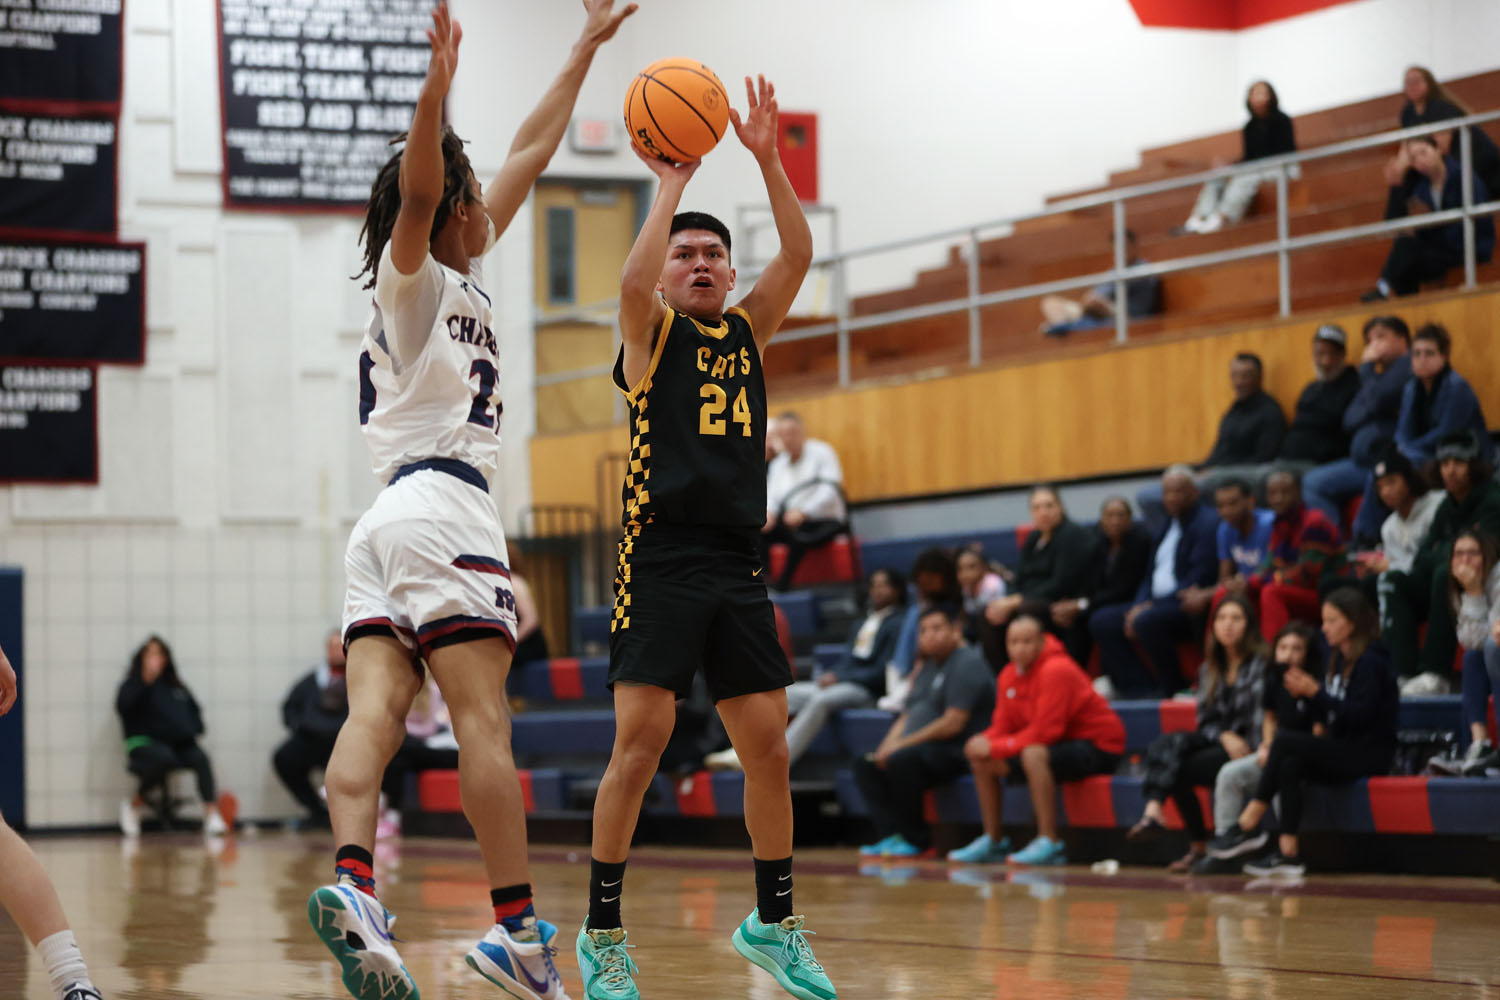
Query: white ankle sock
x=64 y=962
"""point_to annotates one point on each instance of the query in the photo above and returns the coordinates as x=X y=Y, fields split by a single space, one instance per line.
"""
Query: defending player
x=28 y=896
x=427 y=563
x=690 y=590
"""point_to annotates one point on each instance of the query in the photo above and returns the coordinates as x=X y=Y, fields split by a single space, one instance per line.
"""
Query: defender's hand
x=444 y=36
x=603 y=21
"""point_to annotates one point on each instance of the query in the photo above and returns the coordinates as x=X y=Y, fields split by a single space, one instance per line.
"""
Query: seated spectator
x=1169 y=606
x=1269 y=132
x=934 y=577
x=1244 y=533
x=1250 y=434
x=855 y=682
x=1049 y=721
x=1437 y=401
x=429 y=745
x=162 y=723
x=804 y=498
x=1097 y=307
x=1482 y=683
x=1370 y=422
x=1428 y=102
x=1317 y=433
x=1412 y=506
x=1429 y=252
x=1296 y=648
x=1055 y=562
x=1474 y=595
x=1357 y=697
x=952 y=695
x=1471 y=501
x=313 y=713
x=980 y=583
x=1122 y=556
x=1303 y=552
x=1231 y=689
x=531 y=642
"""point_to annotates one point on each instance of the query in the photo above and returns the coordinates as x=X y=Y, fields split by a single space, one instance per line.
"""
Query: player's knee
x=1036 y=757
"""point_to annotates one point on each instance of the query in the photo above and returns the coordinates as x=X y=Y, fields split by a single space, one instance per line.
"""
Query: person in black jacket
x=313 y=712
x=854 y=682
x=1122 y=555
x=162 y=723
x=1317 y=433
x=1358 y=701
x=1250 y=434
x=1056 y=560
x=1268 y=133
x=1428 y=102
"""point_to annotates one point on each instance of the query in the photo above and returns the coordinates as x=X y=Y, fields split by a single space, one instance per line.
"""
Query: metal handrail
x=1122 y=272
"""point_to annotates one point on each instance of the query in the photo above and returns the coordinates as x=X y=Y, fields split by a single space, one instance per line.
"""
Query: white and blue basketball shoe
x=520 y=961
x=357 y=929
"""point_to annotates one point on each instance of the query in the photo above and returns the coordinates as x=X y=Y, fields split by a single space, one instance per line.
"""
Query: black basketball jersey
x=697 y=427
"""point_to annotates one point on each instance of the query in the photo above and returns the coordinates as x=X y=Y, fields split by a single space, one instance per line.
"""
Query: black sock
x=773 y=889
x=605 y=878
x=355 y=863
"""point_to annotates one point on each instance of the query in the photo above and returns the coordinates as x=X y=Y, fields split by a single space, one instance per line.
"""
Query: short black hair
x=1235 y=483
x=1438 y=334
x=895 y=578
x=1393 y=323
x=1252 y=358
x=1275 y=105
x=700 y=220
x=1291 y=472
x=951 y=612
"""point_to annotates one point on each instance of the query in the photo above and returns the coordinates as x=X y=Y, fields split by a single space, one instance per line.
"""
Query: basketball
x=676 y=110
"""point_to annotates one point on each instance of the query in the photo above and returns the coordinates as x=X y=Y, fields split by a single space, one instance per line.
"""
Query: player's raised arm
x=421 y=173
x=538 y=137
x=773 y=294
x=641 y=307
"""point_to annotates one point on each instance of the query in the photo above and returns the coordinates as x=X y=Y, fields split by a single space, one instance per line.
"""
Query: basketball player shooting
x=426 y=564
x=690 y=591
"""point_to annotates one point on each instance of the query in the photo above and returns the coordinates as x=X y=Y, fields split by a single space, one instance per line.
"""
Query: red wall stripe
x=1223 y=15
x=567 y=679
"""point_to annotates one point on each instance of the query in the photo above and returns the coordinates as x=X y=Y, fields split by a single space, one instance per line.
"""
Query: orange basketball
x=676 y=110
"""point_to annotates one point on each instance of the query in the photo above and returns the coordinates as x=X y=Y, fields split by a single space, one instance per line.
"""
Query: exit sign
x=594 y=135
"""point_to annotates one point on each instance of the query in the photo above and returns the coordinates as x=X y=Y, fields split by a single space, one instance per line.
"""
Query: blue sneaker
x=782 y=950
x=982 y=850
x=606 y=965
x=1041 y=851
x=876 y=849
x=898 y=847
x=357 y=929
x=520 y=961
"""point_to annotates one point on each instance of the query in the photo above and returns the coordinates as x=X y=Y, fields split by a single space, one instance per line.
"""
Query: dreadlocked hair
x=385 y=198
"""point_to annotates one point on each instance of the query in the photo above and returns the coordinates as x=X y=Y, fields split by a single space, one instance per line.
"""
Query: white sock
x=64 y=962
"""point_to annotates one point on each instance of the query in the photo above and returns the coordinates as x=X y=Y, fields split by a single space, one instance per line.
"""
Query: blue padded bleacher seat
x=801 y=609
x=562 y=679
x=592 y=624
x=860 y=730
x=826 y=655
x=564 y=733
x=1000 y=545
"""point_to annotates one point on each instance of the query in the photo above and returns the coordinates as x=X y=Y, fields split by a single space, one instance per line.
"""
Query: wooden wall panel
x=1102 y=411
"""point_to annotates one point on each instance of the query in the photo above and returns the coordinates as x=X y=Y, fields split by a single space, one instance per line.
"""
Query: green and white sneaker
x=605 y=965
x=782 y=950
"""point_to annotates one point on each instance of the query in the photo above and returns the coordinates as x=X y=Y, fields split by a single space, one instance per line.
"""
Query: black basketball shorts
x=690 y=597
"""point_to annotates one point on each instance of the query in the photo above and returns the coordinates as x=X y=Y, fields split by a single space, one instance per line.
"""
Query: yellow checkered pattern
x=637 y=497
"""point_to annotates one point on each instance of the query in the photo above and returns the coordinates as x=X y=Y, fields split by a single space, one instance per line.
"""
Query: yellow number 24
x=710 y=414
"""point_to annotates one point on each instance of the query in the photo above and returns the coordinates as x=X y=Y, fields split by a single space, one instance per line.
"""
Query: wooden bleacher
x=1334 y=193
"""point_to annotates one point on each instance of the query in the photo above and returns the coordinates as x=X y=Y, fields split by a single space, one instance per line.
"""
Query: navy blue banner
x=67 y=52
x=57 y=173
x=81 y=301
x=48 y=424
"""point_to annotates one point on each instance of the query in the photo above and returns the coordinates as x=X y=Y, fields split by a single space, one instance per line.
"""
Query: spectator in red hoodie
x=1049 y=718
x=1305 y=550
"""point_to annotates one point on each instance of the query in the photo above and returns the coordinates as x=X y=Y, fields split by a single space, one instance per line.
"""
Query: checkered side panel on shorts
x=636 y=495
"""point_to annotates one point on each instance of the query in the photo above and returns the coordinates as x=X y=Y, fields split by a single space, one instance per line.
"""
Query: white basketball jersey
x=428 y=371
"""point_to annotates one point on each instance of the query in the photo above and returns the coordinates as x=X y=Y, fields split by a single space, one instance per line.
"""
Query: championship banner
x=61 y=51
x=312 y=94
x=76 y=300
x=57 y=174
x=48 y=426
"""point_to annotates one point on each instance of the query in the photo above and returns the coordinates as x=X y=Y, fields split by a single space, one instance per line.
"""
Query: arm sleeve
x=130 y=695
x=1285 y=140
x=965 y=689
x=1218 y=454
x=1203 y=569
x=291 y=707
x=408 y=306
x=1210 y=723
x=1070 y=565
x=906 y=643
x=1047 y=725
x=1318 y=547
x=1360 y=713
x=1404 y=435
x=822 y=500
x=873 y=675
x=1473 y=620
x=1270 y=429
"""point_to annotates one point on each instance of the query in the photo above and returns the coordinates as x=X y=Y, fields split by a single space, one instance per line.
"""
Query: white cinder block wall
x=231 y=465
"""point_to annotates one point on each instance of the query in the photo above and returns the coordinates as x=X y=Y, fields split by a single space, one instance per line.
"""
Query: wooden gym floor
x=170 y=920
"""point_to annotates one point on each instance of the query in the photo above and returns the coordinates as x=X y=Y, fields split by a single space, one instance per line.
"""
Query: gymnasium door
x=584 y=230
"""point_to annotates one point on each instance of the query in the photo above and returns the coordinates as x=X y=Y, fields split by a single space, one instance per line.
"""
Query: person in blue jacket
x=1170 y=606
x=1438 y=401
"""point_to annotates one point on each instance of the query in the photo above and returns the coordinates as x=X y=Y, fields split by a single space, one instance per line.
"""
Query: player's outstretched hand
x=7 y=684
x=603 y=21
x=757 y=131
x=445 y=34
x=667 y=171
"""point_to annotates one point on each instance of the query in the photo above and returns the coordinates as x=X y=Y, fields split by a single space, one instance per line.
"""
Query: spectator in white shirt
x=1412 y=506
x=804 y=497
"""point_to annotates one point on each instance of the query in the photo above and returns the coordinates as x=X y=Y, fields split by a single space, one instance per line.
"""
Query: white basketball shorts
x=428 y=560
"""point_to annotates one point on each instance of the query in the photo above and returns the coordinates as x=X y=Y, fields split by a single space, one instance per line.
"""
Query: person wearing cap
x=1317 y=433
x=1438 y=401
x=1370 y=422
x=1471 y=501
x=314 y=711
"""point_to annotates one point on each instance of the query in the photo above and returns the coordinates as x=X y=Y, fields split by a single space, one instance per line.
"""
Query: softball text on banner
x=48 y=431
x=53 y=51
x=313 y=94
